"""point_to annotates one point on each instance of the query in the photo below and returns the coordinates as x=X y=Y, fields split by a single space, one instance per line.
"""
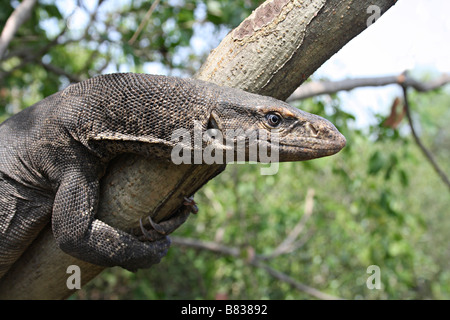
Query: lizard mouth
x=309 y=148
x=314 y=144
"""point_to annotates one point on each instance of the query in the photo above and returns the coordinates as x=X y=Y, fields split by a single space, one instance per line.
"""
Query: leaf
x=214 y=8
x=392 y=163
x=404 y=179
x=52 y=10
x=376 y=163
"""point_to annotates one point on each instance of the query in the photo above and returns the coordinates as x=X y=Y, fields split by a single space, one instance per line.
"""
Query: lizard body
x=54 y=153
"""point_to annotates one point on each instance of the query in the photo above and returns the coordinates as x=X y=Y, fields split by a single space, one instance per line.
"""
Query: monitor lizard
x=54 y=153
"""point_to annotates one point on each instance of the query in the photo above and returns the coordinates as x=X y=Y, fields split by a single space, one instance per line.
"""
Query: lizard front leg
x=79 y=234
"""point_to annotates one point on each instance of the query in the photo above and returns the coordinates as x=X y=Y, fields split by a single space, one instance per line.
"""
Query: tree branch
x=297 y=285
x=289 y=244
x=28 y=56
x=143 y=23
x=17 y=18
x=59 y=71
x=254 y=260
x=422 y=147
x=312 y=89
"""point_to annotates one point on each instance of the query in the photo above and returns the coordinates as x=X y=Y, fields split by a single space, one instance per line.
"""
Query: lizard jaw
x=306 y=149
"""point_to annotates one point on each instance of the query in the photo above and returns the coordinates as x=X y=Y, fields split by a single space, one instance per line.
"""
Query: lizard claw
x=156 y=226
x=191 y=203
x=168 y=226
x=147 y=235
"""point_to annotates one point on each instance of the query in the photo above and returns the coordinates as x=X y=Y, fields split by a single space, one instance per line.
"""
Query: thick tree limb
x=288 y=41
x=275 y=49
x=316 y=88
x=17 y=18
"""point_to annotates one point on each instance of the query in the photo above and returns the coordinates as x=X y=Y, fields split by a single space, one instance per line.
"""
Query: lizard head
x=275 y=126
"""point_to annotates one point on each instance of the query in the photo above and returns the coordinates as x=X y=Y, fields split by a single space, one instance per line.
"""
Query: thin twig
x=297 y=285
x=92 y=19
x=206 y=245
x=312 y=89
x=143 y=22
x=424 y=150
x=289 y=243
x=61 y=72
x=253 y=260
x=15 y=20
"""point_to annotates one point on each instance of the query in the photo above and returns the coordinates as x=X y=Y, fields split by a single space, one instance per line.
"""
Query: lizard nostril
x=314 y=132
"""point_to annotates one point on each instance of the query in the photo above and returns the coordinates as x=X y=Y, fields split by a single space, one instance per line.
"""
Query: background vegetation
x=378 y=202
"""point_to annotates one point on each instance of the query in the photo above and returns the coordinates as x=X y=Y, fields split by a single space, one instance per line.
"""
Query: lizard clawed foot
x=150 y=235
x=189 y=202
x=166 y=227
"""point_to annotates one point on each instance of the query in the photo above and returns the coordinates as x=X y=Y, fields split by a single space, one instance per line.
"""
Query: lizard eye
x=273 y=119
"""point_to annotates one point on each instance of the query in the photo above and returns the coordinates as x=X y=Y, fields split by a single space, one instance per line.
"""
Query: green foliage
x=377 y=202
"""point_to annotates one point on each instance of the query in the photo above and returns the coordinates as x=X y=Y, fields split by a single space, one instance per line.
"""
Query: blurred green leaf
x=376 y=162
